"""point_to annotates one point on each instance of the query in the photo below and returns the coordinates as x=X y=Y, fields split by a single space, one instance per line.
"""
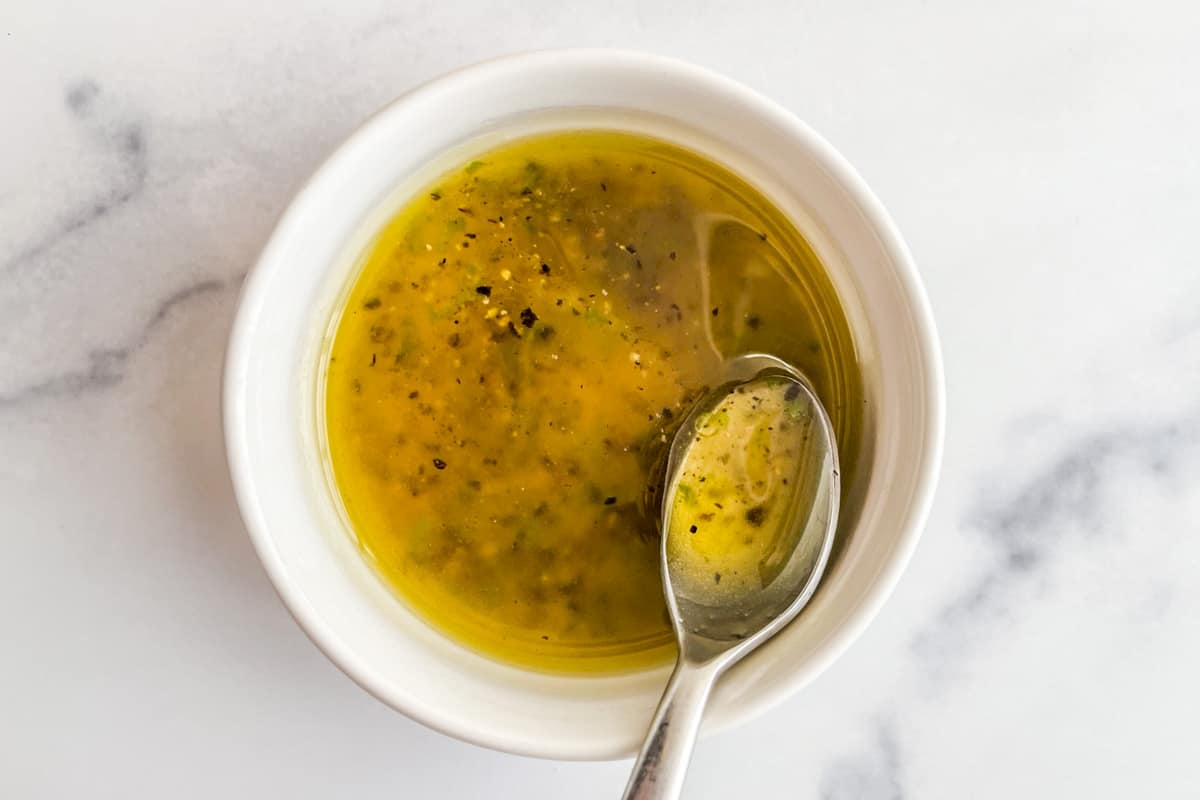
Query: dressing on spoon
x=728 y=531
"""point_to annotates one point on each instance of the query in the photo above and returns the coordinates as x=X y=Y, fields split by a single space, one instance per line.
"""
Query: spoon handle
x=662 y=764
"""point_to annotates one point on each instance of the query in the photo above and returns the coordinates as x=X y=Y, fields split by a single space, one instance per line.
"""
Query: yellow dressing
x=514 y=356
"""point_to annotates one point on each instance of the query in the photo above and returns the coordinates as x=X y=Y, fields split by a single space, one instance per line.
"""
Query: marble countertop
x=1041 y=159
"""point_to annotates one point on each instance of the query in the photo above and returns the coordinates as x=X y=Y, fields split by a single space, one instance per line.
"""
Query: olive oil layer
x=512 y=359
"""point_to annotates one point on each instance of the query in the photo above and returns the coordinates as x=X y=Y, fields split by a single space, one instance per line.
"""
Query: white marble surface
x=1041 y=158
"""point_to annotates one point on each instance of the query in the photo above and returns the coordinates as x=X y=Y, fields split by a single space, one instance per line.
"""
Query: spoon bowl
x=756 y=459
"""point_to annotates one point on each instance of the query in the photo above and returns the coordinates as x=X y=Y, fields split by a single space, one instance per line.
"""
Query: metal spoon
x=715 y=632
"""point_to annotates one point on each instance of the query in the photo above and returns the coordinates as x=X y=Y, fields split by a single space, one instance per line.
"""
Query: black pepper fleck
x=486 y=291
x=528 y=317
x=437 y=462
x=608 y=501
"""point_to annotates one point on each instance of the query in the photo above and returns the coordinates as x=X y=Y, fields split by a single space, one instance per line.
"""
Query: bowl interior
x=271 y=380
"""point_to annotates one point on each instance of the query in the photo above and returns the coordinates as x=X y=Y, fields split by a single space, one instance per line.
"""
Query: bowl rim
x=253 y=296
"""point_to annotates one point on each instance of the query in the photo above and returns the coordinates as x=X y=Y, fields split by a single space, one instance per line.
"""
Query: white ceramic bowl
x=271 y=400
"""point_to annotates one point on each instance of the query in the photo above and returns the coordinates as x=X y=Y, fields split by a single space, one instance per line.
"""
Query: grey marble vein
x=106 y=365
x=113 y=131
x=873 y=773
x=1032 y=523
